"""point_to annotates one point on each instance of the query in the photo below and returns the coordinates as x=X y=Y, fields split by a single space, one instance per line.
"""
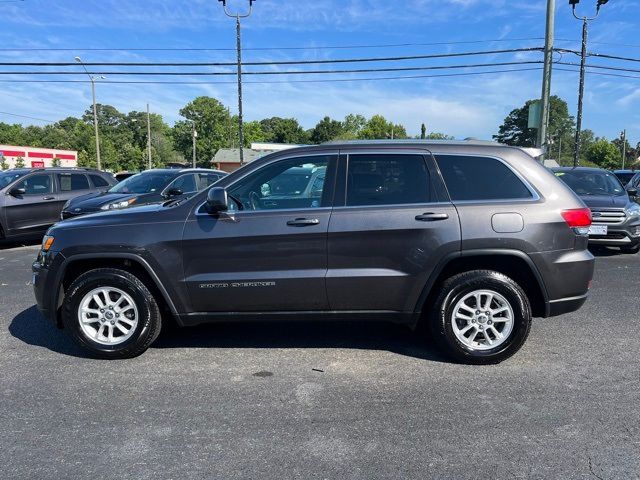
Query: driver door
x=263 y=255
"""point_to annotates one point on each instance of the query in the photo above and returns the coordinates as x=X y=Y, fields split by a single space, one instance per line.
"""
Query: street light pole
x=546 y=74
x=149 y=135
x=624 y=146
x=238 y=16
x=95 y=112
x=194 y=135
x=583 y=58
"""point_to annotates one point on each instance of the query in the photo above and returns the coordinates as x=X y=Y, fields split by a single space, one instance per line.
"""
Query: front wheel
x=111 y=313
x=481 y=317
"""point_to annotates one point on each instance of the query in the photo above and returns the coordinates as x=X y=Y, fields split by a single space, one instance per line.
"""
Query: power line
x=269 y=63
x=332 y=80
x=283 y=72
x=601 y=67
x=320 y=47
x=27 y=116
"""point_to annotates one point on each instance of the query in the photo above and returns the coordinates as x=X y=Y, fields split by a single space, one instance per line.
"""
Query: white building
x=37 y=157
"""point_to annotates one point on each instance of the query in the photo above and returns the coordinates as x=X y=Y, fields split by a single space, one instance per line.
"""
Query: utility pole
x=583 y=58
x=238 y=16
x=546 y=75
x=95 y=111
x=624 y=146
x=194 y=135
x=149 y=135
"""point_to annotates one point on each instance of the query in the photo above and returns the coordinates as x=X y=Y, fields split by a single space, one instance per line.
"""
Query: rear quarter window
x=474 y=178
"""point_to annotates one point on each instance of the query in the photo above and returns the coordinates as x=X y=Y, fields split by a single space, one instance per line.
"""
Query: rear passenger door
x=70 y=185
x=389 y=228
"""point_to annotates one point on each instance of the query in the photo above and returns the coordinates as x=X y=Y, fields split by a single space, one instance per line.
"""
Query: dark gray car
x=31 y=199
x=471 y=238
x=616 y=217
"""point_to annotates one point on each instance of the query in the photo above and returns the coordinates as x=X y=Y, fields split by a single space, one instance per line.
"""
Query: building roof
x=232 y=155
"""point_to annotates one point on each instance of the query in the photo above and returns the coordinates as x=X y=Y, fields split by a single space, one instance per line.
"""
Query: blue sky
x=461 y=106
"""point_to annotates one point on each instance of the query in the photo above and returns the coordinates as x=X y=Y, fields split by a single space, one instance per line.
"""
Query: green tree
x=514 y=130
x=19 y=162
x=3 y=163
x=604 y=154
x=423 y=131
x=211 y=120
x=55 y=162
x=380 y=128
x=439 y=136
x=283 y=130
x=326 y=130
x=252 y=133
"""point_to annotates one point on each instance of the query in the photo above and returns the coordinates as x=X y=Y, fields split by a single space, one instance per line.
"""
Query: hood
x=93 y=201
x=605 y=201
x=112 y=217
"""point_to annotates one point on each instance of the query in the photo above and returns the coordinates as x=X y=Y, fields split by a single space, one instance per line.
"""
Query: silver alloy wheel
x=108 y=315
x=482 y=320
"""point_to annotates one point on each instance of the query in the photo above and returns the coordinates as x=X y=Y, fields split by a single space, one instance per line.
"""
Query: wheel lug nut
x=112 y=322
x=490 y=322
x=110 y=308
x=117 y=315
x=102 y=310
x=473 y=320
x=477 y=312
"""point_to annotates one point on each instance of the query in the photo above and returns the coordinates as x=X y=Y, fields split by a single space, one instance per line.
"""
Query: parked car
x=634 y=184
x=624 y=175
x=31 y=199
x=124 y=175
x=147 y=187
x=616 y=218
x=473 y=238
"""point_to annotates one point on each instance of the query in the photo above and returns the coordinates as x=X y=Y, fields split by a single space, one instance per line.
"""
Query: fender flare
x=479 y=253
x=125 y=256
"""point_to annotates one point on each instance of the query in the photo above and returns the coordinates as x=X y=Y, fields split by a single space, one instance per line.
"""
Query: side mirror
x=173 y=192
x=632 y=192
x=17 y=192
x=217 y=200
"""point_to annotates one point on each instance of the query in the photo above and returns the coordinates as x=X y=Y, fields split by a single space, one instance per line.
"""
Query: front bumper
x=45 y=283
x=624 y=235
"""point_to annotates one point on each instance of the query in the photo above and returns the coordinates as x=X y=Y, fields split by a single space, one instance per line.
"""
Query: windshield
x=7 y=177
x=586 y=182
x=145 y=182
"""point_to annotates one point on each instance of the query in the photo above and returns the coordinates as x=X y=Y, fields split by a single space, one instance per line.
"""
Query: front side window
x=74 y=181
x=387 y=179
x=184 y=183
x=291 y=183
x=36 y=184
x=471 y=178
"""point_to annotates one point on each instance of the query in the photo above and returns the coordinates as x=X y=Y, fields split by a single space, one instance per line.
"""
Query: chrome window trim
x=198 y=213
x=535 y=196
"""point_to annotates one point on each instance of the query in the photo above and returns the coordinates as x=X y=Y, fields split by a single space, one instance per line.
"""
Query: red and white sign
x=37 y=157
x=37 y=164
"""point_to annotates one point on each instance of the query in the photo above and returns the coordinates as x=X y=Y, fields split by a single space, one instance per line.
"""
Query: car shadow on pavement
x=601 y=251
x=7 y=244
x=300 y=334
x=32 y=328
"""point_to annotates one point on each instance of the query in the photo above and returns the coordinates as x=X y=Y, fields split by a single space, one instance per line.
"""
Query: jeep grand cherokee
x=472 y=238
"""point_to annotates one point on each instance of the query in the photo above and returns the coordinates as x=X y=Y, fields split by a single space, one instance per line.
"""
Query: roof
x=415 y=141
x=232 y=155
x=579 y=169
x=184 y=170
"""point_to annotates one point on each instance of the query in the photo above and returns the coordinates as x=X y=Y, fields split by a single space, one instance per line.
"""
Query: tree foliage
x=604 y=154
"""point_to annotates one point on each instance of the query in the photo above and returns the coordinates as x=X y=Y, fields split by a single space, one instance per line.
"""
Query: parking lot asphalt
x=323 y=400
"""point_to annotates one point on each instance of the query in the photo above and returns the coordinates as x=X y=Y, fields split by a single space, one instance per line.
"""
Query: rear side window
x=480 y=178
x=186 y=183
x=73 y=181
x=206 y=179
x=98 y=181
x=387 y=179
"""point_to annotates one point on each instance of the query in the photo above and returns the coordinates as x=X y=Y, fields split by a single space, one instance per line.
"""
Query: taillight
x=579 y=219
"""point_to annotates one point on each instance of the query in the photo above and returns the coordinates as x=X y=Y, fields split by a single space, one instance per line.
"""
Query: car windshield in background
x=7 y=177
x=625 y=177
x=146 y=182
x=591 y=182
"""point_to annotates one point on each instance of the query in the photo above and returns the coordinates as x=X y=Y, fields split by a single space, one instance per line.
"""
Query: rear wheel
x=481 y=317
x=111 y=313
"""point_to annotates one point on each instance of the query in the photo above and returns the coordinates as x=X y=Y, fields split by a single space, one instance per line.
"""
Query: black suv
x=31 y=199
x=472 y=238
x=616 y=217
x=150 y=186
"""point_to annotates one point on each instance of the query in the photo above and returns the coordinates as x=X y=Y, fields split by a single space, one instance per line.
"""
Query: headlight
x=118 y=205
x=47 y=241
x=633 y=211
x=66 y=205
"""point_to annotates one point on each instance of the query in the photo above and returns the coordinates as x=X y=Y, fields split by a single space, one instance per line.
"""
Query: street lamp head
x=602 y=2
x=223 y=2
x=78 y=59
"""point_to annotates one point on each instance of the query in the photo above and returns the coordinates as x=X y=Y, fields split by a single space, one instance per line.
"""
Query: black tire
x=149 y=322
x=454 y=289
x=633 y=249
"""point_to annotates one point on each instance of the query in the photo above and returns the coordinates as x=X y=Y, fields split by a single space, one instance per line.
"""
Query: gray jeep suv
x=472 y=238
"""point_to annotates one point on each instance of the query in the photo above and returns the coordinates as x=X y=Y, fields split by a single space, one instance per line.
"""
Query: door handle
x=49 y=198
x=303 y=222
x=431 y=217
